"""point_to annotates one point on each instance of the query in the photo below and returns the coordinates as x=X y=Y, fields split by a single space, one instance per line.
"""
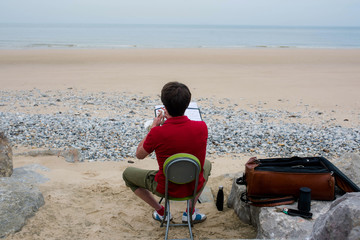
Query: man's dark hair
x=176 y=98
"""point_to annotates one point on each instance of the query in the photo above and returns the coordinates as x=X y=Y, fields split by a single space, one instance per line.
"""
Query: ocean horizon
x=118 y=36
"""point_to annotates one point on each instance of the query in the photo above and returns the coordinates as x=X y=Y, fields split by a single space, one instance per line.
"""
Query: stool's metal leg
x=162 y=222
x=189 y=219
x=167 y=214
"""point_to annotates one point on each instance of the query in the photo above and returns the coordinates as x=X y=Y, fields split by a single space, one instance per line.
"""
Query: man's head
x=176 y=98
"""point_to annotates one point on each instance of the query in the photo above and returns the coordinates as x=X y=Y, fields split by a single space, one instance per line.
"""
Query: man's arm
x=141 y=153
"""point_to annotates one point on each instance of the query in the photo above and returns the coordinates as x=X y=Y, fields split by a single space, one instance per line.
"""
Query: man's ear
x=167 y=115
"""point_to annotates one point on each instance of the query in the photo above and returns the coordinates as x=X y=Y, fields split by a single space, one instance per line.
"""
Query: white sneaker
x=158 y=217
x=196 y=217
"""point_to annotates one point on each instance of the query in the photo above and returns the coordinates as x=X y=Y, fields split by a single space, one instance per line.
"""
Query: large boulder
x=6 y=163
x=342 y=221
x=247 y=213
x=19 y=198
x=331 y=220
x=349 y=164
x=271 y=223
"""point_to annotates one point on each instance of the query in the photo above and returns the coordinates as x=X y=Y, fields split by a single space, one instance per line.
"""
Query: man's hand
x=253 y=159
x=159 y=120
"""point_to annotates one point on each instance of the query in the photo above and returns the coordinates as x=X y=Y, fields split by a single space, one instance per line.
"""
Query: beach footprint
x=91 y=174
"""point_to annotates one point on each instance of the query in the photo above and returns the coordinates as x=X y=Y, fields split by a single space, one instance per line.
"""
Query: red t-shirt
x=177 y=135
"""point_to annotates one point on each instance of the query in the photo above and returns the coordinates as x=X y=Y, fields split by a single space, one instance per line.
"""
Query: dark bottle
x=220 y=199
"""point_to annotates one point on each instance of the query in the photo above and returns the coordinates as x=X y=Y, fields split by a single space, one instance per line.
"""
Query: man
x=178 y=134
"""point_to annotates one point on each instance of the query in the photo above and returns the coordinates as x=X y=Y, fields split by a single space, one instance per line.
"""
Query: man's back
x=177 y=135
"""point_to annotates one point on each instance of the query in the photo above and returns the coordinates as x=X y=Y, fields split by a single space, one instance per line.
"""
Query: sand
x=90 y=201
x=323 y=79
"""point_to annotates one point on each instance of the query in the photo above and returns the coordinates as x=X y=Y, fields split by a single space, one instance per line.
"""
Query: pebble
x=109 y=126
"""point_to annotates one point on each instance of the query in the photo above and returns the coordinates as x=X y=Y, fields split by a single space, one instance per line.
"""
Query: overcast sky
x=229 y=12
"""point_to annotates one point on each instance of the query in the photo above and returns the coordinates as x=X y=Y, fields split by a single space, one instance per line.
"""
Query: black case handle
x=241 y=180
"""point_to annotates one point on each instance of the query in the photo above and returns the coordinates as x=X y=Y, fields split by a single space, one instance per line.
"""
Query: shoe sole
x=196 y=221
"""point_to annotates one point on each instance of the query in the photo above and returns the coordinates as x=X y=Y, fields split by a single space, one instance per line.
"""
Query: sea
x=117 y=36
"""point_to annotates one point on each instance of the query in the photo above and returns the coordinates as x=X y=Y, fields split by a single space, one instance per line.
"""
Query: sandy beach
x=327 y=79
x=89 y=200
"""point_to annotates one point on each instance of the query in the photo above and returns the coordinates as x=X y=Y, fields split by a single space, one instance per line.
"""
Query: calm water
x=19 y=36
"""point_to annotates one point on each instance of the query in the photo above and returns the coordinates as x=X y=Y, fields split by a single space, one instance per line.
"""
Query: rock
x=273 y=224
x=342 y=221
x=36 y=153
x=71 y=155
x=349 y=164
x=270 y=223
x=6 y=164
x=206 y=195
x=28 y=174
x=19 y=198
x=247 y=213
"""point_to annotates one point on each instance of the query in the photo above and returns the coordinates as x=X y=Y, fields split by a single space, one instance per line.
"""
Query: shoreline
x=66 y=47
x=142 y=36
